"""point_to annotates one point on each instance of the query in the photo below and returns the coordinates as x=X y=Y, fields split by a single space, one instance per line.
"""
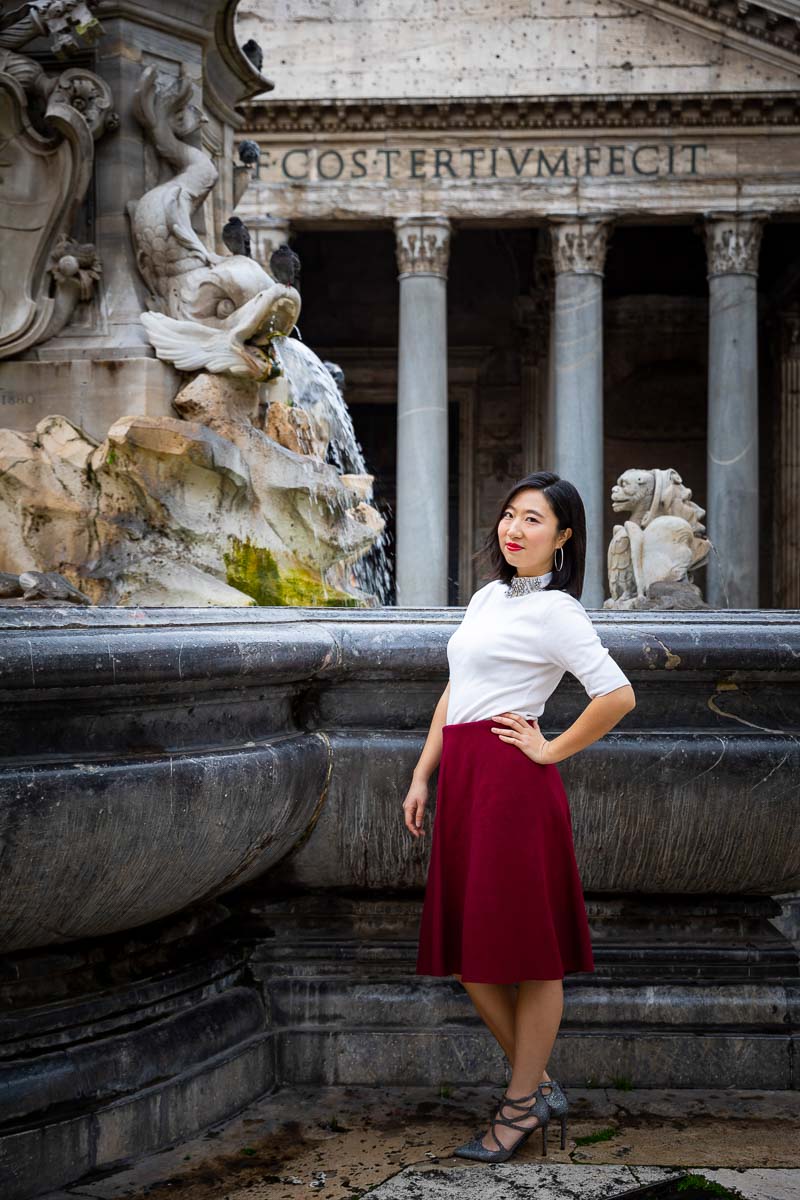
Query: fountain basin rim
x=48 y=616
x=62 y=651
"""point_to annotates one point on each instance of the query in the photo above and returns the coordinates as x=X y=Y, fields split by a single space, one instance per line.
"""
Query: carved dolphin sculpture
x=229 y=315
x=209 y=312
x=239 y=344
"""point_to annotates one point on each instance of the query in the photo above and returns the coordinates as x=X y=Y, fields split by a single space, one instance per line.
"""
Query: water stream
x=313 y=388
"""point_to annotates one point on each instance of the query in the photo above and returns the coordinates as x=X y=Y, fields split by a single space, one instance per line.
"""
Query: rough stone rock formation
x=166 y=511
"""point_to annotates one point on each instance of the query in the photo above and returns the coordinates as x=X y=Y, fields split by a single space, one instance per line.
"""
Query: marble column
x=732 y=245
x=579 y=251
x=422 y=245
x=266 y=235
x=786 y=527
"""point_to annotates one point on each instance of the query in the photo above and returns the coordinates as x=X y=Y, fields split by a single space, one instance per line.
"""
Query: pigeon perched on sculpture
x=284 y=265
x=236 y=237
x=254 y=52
x=249 y=152
x=40 y=586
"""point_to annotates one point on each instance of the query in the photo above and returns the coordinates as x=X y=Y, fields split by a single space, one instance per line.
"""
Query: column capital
x=732 y=242
x=422 y=245
x=579 y=244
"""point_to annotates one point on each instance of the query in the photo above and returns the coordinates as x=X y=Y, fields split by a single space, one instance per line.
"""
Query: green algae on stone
x=254 y=571
x=303 y=588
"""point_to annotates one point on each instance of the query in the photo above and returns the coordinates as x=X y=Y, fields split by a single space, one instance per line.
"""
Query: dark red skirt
x=503 y=900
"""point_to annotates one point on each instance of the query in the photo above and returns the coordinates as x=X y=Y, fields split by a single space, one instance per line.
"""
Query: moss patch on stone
x=254 y=571
x=601 y=1135
x=695 y=1184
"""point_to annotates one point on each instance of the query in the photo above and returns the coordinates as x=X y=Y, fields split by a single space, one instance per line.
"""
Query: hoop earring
x=559 y=565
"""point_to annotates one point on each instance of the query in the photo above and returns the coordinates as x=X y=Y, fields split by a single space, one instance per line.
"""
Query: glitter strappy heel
x=559 y=1105
x=539 y=1109
x=555 y=1097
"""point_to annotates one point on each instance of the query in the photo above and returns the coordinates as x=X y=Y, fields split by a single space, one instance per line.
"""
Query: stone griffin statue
x=208 y=312
x=48 y=126
x=651 y=556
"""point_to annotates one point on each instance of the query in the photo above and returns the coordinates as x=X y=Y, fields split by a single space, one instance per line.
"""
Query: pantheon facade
x=548 y=234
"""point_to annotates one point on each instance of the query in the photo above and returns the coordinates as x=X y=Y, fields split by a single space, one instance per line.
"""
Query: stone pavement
x=338 y=1143
x=506 y=1181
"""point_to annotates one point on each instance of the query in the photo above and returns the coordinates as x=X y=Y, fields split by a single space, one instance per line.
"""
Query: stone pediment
x=767 y=32
x=409 y=51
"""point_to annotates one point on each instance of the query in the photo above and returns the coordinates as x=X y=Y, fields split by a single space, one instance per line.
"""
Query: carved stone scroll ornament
x=211 y=312
x=48 y=126
x=651 y=555
x=579 y=246
x=423 y=245
x=75 y=269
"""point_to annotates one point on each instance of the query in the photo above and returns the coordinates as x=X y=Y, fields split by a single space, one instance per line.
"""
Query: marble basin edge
x=153 y=758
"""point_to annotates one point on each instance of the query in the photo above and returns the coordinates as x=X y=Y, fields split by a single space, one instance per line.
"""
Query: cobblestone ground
x=338 y=1143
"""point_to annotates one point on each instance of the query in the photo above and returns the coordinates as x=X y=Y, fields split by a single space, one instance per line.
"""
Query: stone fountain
x=221 y=481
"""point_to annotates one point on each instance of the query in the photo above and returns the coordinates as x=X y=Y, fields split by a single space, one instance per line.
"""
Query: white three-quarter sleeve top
x=509 y=654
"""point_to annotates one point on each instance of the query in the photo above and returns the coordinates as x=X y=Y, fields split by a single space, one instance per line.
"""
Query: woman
x=503 y=901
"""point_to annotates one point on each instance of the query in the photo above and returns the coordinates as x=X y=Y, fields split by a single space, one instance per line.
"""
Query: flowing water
x=313 y=388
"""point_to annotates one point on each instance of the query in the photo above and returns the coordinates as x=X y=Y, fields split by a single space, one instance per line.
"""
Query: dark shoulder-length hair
x=565 y=501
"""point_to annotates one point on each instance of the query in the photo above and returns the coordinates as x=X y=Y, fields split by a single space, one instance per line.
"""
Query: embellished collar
x=520 y=585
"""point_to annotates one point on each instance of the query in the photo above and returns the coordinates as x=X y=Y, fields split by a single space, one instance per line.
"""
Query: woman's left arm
x=600 y=715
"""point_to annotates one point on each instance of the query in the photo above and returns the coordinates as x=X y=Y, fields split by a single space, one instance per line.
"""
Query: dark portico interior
x=655 y=362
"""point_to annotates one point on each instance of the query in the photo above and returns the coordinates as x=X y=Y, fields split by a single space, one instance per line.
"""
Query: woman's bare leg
x=496 y=1004
x=537 y=1016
